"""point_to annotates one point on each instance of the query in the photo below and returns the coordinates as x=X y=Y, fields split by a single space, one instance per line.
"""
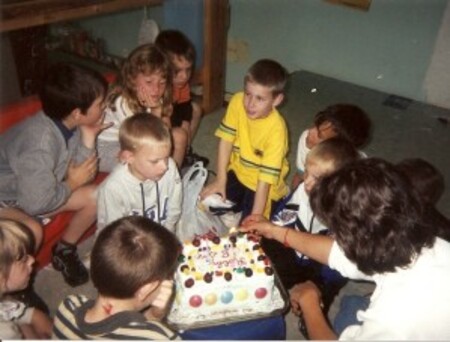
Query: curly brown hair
x=374 y=215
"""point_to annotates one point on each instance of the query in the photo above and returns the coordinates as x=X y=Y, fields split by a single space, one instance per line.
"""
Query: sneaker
x=67 y=261
x=191 y=158
x=203 y=159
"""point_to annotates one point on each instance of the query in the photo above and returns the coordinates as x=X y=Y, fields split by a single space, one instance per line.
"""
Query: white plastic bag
x=195 y=218
x=148 y=31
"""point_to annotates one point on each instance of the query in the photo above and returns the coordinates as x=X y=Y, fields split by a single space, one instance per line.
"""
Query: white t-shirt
x=410 y=304
x=303 y=150
x=304 y=212
x=12 y=314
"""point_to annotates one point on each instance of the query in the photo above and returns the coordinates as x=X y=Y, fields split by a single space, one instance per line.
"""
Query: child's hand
x=78 y=175
x=148 y=100
x=164 y=293
x=159 y=305
x=89 y=132
x=214 y=188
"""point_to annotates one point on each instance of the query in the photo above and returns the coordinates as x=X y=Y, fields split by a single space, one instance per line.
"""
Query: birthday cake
x=223 y=277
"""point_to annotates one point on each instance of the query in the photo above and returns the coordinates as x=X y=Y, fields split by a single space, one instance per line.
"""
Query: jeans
x=346 y=315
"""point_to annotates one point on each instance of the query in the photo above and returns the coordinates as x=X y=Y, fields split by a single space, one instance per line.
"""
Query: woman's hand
x=304 y=295
x=258 y=225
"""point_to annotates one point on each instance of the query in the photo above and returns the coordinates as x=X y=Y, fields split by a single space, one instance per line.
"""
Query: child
x=325 y=158
x=430 y=185
x=186 y=112
x=132 y=264
x=252 y=163
x=148 y=184
x=145 y=87
x=48 y=160
x=16 y=262
x=340 y=120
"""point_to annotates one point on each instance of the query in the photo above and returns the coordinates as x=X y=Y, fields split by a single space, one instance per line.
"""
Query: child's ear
x=146 y=290
x=278 y=99
x=126 y=156
x=72 y=120
x=76 y=114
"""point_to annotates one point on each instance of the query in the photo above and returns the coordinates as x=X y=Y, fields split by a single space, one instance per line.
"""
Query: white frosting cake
x=221 y=278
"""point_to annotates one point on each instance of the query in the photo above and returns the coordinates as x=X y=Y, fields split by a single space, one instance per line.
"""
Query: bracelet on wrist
x=285 y=242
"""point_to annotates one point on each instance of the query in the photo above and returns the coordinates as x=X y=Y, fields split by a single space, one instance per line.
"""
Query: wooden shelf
x=21 y=14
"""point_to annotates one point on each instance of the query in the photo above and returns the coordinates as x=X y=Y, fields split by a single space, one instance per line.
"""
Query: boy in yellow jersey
x=251 y=163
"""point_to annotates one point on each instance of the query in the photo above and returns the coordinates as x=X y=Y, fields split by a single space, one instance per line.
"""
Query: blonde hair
x=145 y=59
x=16 y=242
x=332 y=154
x=143 y=129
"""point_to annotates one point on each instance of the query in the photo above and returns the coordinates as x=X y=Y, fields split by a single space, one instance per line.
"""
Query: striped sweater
x=70 y=324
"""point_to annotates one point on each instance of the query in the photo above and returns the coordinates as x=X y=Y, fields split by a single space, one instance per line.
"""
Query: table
x=268 y=328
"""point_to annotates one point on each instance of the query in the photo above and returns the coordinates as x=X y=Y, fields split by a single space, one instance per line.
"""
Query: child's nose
x=183 y=75
x=155 y=89
x=31 y=260
x=250 y=102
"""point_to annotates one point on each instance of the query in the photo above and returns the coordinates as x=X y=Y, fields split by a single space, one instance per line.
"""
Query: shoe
x=67 y=261
x=191 y=158
x=198 y=157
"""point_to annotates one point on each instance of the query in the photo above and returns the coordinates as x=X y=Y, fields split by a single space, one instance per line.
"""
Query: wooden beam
x=17 y=15
x=216 y=23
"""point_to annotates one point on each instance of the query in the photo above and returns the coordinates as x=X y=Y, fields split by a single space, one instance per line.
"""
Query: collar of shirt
x=67 y=133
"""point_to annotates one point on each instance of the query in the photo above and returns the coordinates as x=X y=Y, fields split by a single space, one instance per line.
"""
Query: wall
x=121 y=30
x=9 y=84
x=387 y=48
x=437 y=81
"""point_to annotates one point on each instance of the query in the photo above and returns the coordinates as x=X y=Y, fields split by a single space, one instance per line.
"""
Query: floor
x=402 y=129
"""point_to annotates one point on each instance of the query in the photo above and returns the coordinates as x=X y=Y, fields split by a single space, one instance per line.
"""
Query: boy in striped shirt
x=132 y=264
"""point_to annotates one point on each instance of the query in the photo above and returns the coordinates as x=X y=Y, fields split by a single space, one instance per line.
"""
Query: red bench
x=12 y=114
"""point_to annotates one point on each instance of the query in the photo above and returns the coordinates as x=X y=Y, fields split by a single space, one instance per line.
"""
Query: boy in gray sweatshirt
x=48 y=161
x=147 y=183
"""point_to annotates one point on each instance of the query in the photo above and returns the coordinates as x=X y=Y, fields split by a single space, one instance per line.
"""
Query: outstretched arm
x=223 y=159
x=317 y=247
x=261 y=194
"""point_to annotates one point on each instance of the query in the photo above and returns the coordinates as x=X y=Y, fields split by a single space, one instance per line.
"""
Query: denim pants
x=346 y=315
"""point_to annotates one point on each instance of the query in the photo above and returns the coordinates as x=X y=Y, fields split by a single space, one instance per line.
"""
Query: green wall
x=387 y=48
x=120 y=30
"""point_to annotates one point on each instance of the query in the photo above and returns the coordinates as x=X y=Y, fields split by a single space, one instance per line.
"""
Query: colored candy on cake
x=195 y=301
x=228 y=274
x=226 y=297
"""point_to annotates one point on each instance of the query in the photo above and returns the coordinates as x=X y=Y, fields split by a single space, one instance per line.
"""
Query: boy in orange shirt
x=186 y=112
